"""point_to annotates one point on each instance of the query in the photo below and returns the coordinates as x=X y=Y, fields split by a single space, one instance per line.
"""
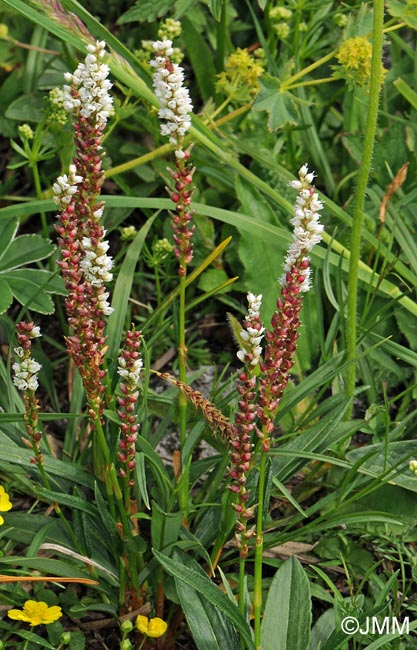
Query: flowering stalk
x=130 y=366
x=174 y=114
x=281 y=345
x=85 y=265
x=363 y=175
x=245 y=424
x=25 y=370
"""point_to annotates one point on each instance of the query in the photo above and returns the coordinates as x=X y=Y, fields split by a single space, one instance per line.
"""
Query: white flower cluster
x=174 y=98
x=96 y=264
x=90 y=81
x=252 y=335
x=307 y=228
x=26 y=370
x=131 y=374
x=66 y=186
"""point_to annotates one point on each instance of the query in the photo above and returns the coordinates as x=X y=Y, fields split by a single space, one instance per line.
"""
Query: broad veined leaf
x=287 y=617
x=204 y=586
x=44 y=279
x=210 y=629
x=27 y=108
x=30 y=295
x=24 y=250
x=280 y=104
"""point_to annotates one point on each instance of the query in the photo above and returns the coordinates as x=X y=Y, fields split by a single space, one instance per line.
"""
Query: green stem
x=363 y=176
x=257 y=588
x=312 y=82
x=302 y=73
x=242 y=563
x=38 y=191
x=182 y=400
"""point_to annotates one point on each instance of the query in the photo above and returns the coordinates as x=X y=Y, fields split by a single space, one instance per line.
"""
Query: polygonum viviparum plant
x=85 y=265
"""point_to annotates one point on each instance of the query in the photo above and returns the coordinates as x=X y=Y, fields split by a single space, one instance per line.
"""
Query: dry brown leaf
x=399 y=179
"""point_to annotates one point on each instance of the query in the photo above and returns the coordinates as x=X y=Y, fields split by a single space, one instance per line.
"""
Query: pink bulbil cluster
x=130 y=366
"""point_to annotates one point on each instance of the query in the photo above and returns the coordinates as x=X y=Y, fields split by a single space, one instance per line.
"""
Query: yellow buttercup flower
x=36 y=613
x=153 y=627
x=5 y=504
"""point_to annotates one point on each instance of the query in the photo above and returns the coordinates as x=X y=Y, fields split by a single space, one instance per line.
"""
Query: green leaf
x=27 y=108
x=281 y=105
x=6 y=296
x=317 y=438
x=8 y=229
x=201 y=57
x=106 y=518
x=405 y=11
x=31 y=296
x=215 y=7
x=122 y=289
x=289 y=594
x=258 y=253
x=34 y=638
x=147 y=10
x=408 y=327
x=210 y=630
x=204 y=586
x=44 y=279
x=406 y=91
x=25 y=250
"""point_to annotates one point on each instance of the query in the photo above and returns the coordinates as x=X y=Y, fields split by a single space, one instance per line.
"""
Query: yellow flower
x=239 y=80
x=354 y=56
x=36 y=613
x=153 y=627
x=5 y=504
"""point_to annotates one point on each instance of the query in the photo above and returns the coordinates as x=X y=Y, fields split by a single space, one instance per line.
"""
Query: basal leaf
x=204 y=586
x=281 y=105
x=24 y=250
x=287 y=617
x=210 y=630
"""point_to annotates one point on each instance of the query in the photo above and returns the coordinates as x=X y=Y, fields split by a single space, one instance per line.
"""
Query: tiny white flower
x=174 y=98
x=92 y=86
x=307 y=228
